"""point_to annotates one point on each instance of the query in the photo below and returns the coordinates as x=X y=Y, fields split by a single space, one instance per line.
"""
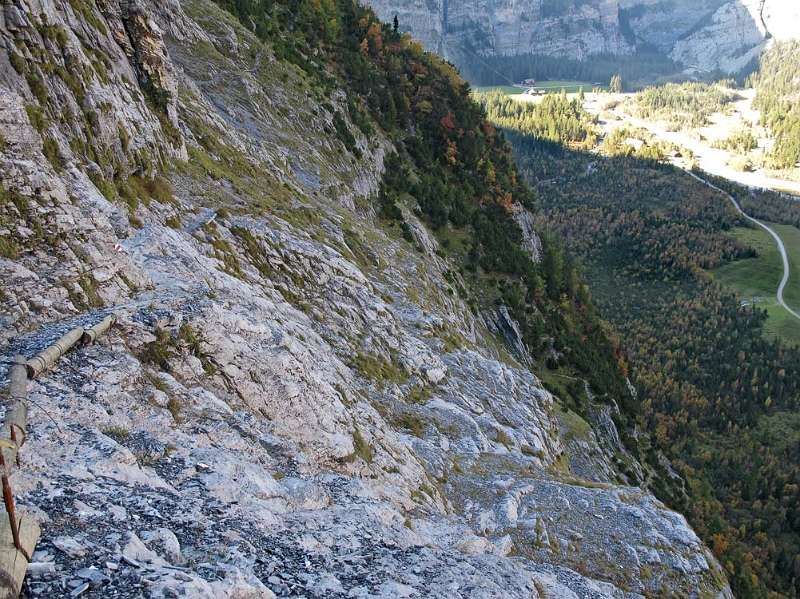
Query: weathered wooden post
x=15 y=425
x=91 y=334
x=47 y=357
x=18 y=534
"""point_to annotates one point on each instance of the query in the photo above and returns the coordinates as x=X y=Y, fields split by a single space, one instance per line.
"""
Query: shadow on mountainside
x=648 y=234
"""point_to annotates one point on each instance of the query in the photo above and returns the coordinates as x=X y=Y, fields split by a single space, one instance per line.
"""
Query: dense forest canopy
x=717 y=398
x=777 y=82
x=555 y=118
x=683 y=105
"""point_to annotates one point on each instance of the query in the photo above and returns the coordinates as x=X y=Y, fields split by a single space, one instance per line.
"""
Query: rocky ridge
x=735 y=34
x=702 y=37
x=296 y=401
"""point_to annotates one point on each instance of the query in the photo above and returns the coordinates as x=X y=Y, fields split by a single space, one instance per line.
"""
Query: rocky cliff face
x=702 y=36
x=736 y=33
x=294 y=402
x=459 y=29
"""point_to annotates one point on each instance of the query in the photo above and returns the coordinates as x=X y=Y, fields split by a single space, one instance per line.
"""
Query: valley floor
x=611 y=113
x=755 y=279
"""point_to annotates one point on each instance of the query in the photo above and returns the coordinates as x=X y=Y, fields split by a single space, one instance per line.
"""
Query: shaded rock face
x=295 y=400
x=530 y=239
x=500 y=322
x=149 y=56
x=702 y=36
x=736 y=33
x=661 y=24
x=510 y=27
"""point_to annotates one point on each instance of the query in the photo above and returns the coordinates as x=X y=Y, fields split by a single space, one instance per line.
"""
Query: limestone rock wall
x=736 y=33
x=510 y=27
x=702 y=36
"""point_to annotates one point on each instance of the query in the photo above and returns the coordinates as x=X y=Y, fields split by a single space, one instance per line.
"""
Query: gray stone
x=40 y=569
x=70 y=546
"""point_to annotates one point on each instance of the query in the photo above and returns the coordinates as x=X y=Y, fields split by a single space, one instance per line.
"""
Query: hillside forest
x=778 y=99
x=717 y=397
x=452 y=168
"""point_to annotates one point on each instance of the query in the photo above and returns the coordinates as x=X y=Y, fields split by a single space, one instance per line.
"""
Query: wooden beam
x=91 y=334
x=47 y=357
x=19 y=534
x=15 y=424
x=14 y=563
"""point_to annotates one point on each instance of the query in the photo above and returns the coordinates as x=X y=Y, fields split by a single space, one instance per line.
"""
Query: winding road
x=775 y=236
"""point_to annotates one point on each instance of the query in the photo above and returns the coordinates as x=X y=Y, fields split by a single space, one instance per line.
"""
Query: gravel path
x=778 y=240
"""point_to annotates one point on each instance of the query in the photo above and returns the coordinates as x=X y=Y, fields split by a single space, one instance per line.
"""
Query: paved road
x=775 y=236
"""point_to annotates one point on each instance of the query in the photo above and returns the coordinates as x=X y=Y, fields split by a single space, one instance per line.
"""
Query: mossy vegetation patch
x=378 y=369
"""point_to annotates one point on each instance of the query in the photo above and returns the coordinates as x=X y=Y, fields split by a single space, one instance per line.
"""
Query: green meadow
x=569 y=86
x=756 y=279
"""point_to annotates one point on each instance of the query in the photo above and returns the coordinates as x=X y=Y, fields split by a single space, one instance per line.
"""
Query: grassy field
x=791 y=239
x=556 y=86
x=756 y=279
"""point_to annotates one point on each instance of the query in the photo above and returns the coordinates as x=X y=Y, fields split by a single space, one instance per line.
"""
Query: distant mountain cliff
x=698 y=35
x=509 y=27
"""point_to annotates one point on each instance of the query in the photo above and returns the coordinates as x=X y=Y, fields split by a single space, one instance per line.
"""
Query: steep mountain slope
x=736 y=34
x=701 y=37
x=318 y=383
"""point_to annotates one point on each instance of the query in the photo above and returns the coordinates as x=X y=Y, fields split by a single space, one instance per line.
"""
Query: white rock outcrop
x=736 y=34
x=702 y=36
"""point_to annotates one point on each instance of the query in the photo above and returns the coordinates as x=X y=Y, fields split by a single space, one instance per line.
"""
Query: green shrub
x=361 y=448
x=175 y=409
x=344 y=135
x=419 y=394
x=52 y=153
x=378 y=369
x=411 y=422
x=9 y=248
x=36 y=117
x=118 y=433
x=18 y=62
x=37 y=86
x=124 y=137
x=89 y=287
x=159 y=351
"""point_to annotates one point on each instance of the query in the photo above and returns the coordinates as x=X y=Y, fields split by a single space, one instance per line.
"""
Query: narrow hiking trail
x=167 y=293
x=775 y=236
